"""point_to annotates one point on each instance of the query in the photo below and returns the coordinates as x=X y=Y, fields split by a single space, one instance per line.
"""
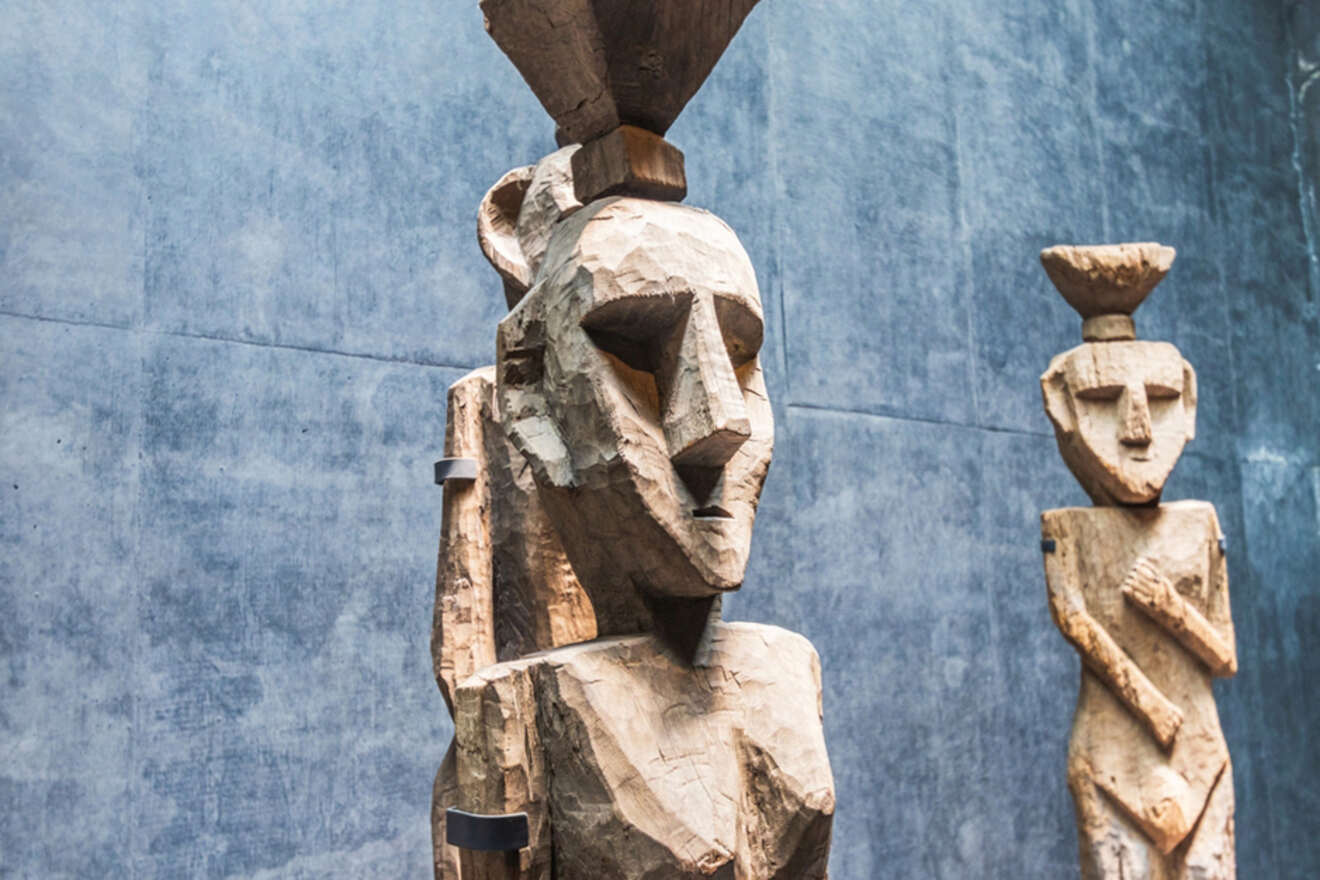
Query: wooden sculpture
x=620 y=444
x=1139 y=588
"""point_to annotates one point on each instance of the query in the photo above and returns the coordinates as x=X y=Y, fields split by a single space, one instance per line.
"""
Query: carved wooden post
x=625 y=435
x=1139 y=588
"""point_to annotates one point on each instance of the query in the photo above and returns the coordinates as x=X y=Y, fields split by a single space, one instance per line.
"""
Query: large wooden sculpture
x=620 y=444
x=1139 y=588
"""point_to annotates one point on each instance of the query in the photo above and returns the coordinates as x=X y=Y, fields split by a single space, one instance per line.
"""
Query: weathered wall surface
x=238 y=270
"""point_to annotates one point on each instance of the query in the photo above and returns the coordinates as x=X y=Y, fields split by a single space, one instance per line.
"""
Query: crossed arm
x=1103 y=656
x=1152 y=592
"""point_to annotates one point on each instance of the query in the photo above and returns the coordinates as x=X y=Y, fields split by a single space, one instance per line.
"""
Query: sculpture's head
x=1122 y=412
x=629 y=378
x=1122 y=409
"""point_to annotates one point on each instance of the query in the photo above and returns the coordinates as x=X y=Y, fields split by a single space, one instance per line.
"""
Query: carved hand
x=1148 y=588
x=1152 y=592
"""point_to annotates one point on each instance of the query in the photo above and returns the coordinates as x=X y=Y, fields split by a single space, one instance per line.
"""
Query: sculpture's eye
x=1160 y=391
x=630 y=334
x=1100 y=392
x=742 y=329
x=634 y=328
x=650 y=339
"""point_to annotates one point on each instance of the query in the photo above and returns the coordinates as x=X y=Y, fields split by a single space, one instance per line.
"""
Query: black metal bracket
x=455 y=469
x=1047 y=545
x=498 y=833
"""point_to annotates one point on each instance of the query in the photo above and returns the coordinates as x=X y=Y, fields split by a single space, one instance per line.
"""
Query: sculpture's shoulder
x=1192 y=511
x=1064 y=528
x=741 y=655
x=699 y=765
x=1068 y=520
x=696 y=763
x=1067 y=523
x=742 y=642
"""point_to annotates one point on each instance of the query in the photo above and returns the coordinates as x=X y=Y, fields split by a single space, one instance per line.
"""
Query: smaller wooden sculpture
x=1139 y=588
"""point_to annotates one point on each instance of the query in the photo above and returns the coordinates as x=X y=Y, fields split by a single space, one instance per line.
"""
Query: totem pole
x=600 y=488
x=1139 y=588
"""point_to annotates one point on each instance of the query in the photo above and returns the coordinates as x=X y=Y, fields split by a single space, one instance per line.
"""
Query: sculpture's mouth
x=713 y=511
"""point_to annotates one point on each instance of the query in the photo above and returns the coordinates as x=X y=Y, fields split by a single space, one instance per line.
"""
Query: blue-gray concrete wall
x=238 y=271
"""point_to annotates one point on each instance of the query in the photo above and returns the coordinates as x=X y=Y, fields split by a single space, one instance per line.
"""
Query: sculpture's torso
x=647 y=767
x=1154 y=788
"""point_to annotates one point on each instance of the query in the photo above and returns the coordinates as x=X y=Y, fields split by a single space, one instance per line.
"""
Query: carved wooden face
x=629 y=377
x=1122 y=412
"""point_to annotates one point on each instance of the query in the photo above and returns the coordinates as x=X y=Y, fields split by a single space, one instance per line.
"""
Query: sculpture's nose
x=1135 y=417
x=705 y=417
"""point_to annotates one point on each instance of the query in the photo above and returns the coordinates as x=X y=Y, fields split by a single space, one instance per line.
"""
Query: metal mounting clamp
x=498 y=833
x=1047 y=545
x=455 y=469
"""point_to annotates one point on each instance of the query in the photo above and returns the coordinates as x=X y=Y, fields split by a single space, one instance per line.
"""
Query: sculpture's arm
x=462 y=623
x=500 y=768
x=1152 y=592
x=1103 y=656
x=1219 y=609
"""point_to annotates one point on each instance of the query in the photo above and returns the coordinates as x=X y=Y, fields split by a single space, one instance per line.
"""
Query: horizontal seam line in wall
x=252 y=342
x=994 y=429
x=899 y=417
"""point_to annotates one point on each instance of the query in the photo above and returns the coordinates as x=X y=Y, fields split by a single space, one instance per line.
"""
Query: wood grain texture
x=624 y=452
x=504 y=587
x=1139 y=588
x=1107 y=279
x=599 y=64
x=646 y=766
x=629 y=161
x=1147 y=757
x=462 y=624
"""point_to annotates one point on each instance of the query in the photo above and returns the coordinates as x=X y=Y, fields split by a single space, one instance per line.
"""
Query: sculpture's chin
x=720 y=550
x=1143 y=494
x=1138 y=487
x=727 y=578
x=722 y=574
x=708 y=574
x=1115 y=476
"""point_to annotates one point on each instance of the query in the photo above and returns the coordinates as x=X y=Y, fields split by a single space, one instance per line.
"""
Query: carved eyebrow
x=628 y=327
x=1098 y=391
x=1163 y=388
x=638 y=317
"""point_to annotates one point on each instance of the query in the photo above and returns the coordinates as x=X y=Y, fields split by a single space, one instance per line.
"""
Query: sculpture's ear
x=1058 y=403
x=524 y=405
x=497 y=231
x=1189 y=399
x=550 y=198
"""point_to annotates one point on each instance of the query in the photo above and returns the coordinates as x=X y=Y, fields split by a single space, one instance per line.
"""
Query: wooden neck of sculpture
x=682 y=624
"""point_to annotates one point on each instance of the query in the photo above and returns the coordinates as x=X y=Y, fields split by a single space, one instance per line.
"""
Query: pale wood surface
x=623 y=455
x=1147 y=751
x=647 y=766
x=1122 y=412
x=462 y=627
x=1108 y=278
x=1140 y=589
x=640 y=341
